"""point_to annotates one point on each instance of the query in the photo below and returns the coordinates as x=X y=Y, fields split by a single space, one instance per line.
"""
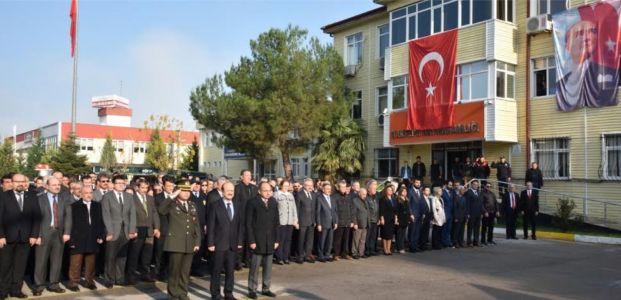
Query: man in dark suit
x=415 y=196
x=200 y=201
x=345 y=222
x=475 y=211
x=224 y=240
x=327 y=220
x=426 y=215
x=418 y=169
x=262 y=222
x=119 y=216
x=103 y=182
x=215 y=194
x=529 y=207
x=19 y=231
x=87 y=232
x=147 y=228
x=160 y=257
x=54 y=233
x=306 y=203
x=244 y=192
x=510 y=209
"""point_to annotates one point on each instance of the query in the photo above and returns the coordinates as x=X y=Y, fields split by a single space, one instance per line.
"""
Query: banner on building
x=431 y=91
x=586 y=42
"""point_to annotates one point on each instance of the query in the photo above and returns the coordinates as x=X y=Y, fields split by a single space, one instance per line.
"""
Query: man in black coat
x=306 y=203
x=510 y=209
x=327 y=220
x=87 y=233
x=224 y=240
x=262 y=234
x=200 y=201
x=475 y=211
x=418 y=169
x=503 y=174
x=160 y=257
x=529 y=206
x=19 y=228
x=426 y=212
x=244 y=192
x=345 y=222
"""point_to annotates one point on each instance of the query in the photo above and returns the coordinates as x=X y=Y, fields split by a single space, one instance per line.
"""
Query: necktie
x=20 y=201
x=417 y=193
x=144 y=204
x=229 y=210
x=307 y=194
x=512 y=202
x=88 y=209
x=185 y=205
x=196 y=194
x=329 y=204
x=55 y=211
x=528 y=194
x=120 y=199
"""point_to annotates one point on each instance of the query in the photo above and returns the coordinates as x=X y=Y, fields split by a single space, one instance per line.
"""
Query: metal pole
x=75 y=73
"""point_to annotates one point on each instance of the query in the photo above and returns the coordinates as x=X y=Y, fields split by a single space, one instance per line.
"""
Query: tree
x=108 y=155
x=340 y=149
x=8 y=162
x=157 y=155
x=67 y=160
x=278 y=98
x=35 y=156
x=190 y=158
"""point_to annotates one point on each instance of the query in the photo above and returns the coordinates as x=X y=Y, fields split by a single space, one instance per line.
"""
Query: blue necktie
x=230 y=211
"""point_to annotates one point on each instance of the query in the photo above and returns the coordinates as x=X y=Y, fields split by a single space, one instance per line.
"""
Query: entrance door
x=450 y=158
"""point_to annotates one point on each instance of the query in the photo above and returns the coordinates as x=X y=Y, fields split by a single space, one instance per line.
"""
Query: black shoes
x=252 y=295
x=268 y=293
x=19 y=295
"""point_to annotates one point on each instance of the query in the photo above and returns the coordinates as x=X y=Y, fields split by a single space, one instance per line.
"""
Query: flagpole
x=75 y=74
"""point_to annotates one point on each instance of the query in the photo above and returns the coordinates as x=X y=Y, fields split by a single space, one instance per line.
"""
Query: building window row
x=550 y=6
x=434 y=16
x=386 y=161
x=354 y=49
x=356 y=110
x=611 y=154
x=552 y=155
x=86 y=144
x=300 y=167
x=140 y=147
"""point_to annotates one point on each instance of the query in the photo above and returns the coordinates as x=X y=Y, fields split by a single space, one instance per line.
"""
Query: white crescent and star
x=431 y=56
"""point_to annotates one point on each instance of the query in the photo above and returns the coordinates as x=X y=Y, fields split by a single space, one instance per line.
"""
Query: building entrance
x=447 y=153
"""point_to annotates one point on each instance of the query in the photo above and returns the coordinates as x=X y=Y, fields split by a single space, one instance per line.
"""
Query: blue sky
x=160 y=50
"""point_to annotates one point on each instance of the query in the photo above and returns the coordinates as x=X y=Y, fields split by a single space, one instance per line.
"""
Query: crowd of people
x=120 y=232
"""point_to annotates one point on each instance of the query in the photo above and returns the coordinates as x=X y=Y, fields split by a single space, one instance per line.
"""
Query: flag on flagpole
x=73 y=14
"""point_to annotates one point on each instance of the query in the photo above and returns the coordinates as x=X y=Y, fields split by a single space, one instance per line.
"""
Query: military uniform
x=184 y=233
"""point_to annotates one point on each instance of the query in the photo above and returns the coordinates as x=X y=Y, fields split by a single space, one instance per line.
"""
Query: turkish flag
x=431 y=89
x=73 y=14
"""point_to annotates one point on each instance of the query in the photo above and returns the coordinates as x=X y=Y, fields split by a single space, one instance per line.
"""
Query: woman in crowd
x=403 y=218
x=438 y=218
x=288 y=215
x=388 y=217
x=206 y=186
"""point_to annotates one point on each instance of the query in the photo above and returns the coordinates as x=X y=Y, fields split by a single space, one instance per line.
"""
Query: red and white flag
x=73 y=14
x=431 y=90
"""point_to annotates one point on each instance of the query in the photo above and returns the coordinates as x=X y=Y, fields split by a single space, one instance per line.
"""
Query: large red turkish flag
x=431 y=90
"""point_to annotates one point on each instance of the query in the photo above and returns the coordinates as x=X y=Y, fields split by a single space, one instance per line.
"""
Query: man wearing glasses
x=102 y=187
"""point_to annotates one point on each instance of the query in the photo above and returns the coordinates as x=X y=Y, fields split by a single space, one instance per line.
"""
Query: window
x=119 y=146
x=481 y=10
x=550 y=6
x=612 y=156
x=465 y=12
x=356 y=110
x=544 y=75
x=207 y=136
x=552 y=154
x=140 y=147
x=399 y=92
x=505 y=80
x=382 y=99
x=305 y=167
x=504 y=10
x=398 y=26
x=268 y=169
x=384 y=39
x=472 y=81
x=86 y=144
x=295 y=167
x=354 y=49
x=386 y=162
x=451 y=15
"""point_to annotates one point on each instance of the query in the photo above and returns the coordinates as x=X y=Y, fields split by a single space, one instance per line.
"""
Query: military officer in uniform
x=182 y=241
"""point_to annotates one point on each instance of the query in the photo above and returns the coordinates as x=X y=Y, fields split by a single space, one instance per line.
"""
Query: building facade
x=505 y=103
x=130 y=143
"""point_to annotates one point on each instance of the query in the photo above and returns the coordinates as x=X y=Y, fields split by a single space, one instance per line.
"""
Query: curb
x=571 y=237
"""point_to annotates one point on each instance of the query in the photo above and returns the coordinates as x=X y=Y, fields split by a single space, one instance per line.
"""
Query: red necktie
x=55 y=211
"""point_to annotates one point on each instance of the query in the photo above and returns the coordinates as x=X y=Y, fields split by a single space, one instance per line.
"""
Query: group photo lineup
x=312 y=149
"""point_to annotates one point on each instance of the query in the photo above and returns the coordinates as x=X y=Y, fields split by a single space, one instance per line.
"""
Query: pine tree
x=8 y=162
x=108 y=155
x=190 y=158
x=67 y=160
x=35 y=156
x=157 y=152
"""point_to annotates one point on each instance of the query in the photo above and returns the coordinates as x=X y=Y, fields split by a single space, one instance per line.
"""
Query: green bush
x=565 y=214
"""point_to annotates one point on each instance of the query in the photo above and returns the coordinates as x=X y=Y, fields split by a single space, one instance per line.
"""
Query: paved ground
x=523 y=269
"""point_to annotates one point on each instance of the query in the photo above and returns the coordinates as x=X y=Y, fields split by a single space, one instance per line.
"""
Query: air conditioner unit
x=540 y=23
x=350 y=71
x=382 y=62
x=380 y=120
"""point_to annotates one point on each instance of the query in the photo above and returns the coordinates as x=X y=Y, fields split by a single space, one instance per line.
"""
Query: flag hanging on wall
x=586 y=44
x=431 y=91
